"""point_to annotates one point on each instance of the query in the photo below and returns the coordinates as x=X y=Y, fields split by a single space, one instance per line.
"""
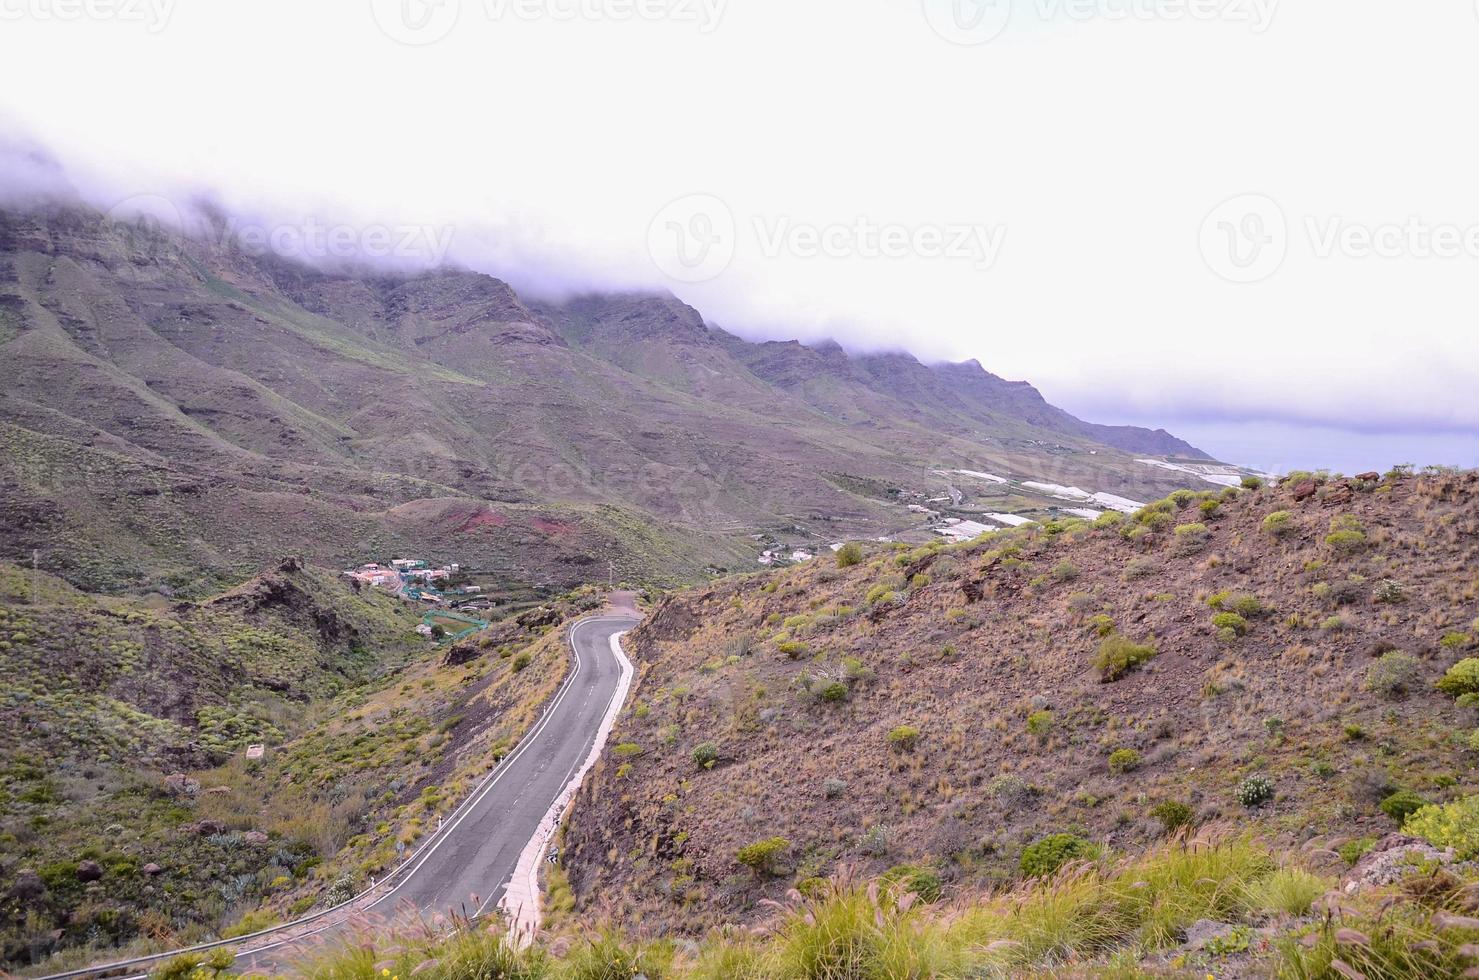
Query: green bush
x=705 y=754
x=1462 y=678
x=521 y=661
x=1043 y=857
x=1347 y=536
x=1251 y=483
x=1209 y=508
x=760 y=857
x=1172 y=814
x=923 y=882
x=1254 y=791
x=1118 y=655
x=1230 y=621
x=1194 y=533
x=1394 y=674
x=832 y=693
x=1065 y=571
x=1279 y=523
x=903 y=738
x=1454 y=825
x=849 y=555
x=1039 y=723
x=793 y=649
x=1101 y=624
x=1123 y=761
x=1402 y=804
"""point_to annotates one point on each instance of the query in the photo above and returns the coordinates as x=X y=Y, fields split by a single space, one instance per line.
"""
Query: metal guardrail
x=129 y=967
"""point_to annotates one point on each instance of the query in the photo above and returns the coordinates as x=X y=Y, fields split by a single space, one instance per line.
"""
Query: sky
x=1251 y=222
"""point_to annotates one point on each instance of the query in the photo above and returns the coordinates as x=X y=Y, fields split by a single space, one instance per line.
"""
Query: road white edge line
x=521 y=899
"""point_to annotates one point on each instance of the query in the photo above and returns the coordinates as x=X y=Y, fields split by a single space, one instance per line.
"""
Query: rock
x=255 y=838
x=180 y=784
x=153 y=870
x=1391 y=860
x=1370 y=477
x=1203 y=931
x=28 y=886
x=1304 y=491
x=218 y=791
x=207 y=828
x=462 y=653
x=89 y=871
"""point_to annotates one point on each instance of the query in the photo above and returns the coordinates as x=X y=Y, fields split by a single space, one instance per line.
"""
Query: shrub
x=1191 y=535
x=1209 y=508
x=1123 y=761
x=1455 y=641
x=760 y=857
x=1454 y=825
x=1011 y=792
x=1347 y=536
x=1118 y=655
x=1230 y=621
x=849 y=555
x=1279 y=523
x=626 y=750
x=1462 y=678
x=793 y=649
x=1388 y=592
x=1101 y=624
x=1255 y=791
x=1065 y=571
x=1402 y=804
x=1172 y=814
x=903 y=738
x=924 y=882
x=1140 y=568
x=705 y=754
x=521 y=661
x=1043 y=857
x=1039 y=723
x=1251 y=483
x=832 y=693
x=1394 y=674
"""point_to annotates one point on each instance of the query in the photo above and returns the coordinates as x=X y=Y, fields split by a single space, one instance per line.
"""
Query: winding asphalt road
x=466 y=867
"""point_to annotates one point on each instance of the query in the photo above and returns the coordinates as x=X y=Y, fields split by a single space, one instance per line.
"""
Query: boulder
x=207 y=828
x=152 y=870
x=1304 y=491
x=254 y=838
x=1391 y=860
x=1370 y=477
x=89 y=871
x=28 y=886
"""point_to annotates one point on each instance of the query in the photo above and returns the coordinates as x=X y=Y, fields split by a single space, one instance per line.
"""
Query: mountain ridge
x=316 y=401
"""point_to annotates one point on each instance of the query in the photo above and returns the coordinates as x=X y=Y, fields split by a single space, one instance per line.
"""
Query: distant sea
x=1278 y=447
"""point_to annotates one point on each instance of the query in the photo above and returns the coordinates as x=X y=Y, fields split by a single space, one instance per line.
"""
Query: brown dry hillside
x=942 y=706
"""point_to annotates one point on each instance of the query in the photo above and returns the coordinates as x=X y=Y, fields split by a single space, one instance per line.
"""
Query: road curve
x=466 y=867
